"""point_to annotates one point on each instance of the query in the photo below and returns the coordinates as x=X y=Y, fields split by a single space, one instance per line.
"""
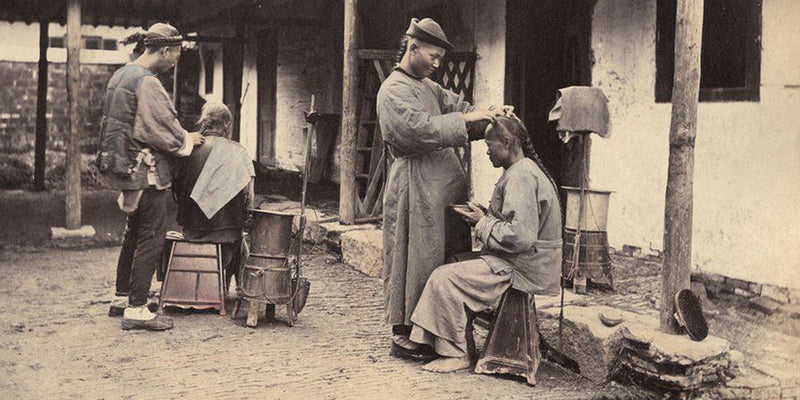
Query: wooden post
x=73 y=161
x=39 y=163
x=347 y=156
x=238 y=75
x=683 y=128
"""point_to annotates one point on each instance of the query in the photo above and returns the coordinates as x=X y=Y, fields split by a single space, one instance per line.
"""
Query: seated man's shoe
x=420 y=353
x=142 y=318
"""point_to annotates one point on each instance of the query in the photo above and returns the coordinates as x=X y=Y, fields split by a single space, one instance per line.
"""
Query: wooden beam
x=73 y=159
x=39 y=161
x=347 y=178
x=682 y=132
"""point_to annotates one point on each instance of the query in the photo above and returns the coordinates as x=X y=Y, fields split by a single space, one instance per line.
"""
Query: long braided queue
x=517 y=128
x=401 y=51
x=514 y=125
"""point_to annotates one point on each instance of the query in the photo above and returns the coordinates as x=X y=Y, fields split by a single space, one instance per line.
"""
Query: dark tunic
x=226 y=225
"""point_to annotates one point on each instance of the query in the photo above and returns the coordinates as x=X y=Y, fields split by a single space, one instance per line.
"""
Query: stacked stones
x=667 y=365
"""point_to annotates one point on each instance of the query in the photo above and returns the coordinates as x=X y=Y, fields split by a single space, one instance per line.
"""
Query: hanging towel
x=226 y=172
x=581 y=108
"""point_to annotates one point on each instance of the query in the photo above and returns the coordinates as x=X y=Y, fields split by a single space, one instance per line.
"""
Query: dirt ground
x=56 y=341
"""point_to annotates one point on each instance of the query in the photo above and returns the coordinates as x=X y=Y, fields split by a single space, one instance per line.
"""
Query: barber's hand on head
x=501 y=111
x=479 y=113
x=196 y=138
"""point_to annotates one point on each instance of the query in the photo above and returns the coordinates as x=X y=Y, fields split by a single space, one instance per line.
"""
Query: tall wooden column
x=73 y=162
x=347 y=156
x=40 y=162
x=238 y=76
x=682 y=132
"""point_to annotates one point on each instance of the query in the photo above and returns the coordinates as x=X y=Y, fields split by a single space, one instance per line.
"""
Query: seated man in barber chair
x=521 y=236
x=214 y=189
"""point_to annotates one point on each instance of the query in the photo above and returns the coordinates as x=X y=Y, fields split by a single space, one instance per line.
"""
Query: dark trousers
x=231 y=261
x=142 y=246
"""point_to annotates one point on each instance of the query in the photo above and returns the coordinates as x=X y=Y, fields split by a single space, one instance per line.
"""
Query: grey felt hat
x=429 y=31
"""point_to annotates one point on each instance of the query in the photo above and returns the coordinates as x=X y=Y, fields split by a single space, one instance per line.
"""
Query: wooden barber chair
x=194 y=276
x=512 y=346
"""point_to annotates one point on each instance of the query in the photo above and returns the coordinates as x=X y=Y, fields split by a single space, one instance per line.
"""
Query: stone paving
x=57 y=342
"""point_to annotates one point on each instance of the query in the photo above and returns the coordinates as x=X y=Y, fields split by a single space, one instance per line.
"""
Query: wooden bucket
x=267 y=279
x=272 y=233
x=593 y=255
x=595 y=209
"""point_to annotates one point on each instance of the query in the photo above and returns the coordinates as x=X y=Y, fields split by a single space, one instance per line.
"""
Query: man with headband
x=521 y=236
x=139 y=135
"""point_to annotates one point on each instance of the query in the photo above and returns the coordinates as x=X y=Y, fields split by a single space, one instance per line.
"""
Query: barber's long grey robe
x=421 y=123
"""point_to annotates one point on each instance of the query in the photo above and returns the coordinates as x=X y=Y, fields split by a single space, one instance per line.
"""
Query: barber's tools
x=300 y=285
x=579 y=111
x=270 y=276
x=266 y=277
x=594 y=259
x=460 y=210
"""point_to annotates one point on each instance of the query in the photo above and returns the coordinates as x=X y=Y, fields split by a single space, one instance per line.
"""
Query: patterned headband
x=163 y=41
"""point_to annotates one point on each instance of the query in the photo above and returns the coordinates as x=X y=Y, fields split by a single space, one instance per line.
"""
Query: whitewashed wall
x=747 y=156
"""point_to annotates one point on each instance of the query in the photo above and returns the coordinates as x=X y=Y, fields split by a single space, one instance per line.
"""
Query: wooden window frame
x=665 y=59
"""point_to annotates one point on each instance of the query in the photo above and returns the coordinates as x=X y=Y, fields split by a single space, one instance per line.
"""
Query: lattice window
x=372 y=159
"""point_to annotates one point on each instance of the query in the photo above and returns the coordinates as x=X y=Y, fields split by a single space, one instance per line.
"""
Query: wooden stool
x=194 y=277
x=512 y=346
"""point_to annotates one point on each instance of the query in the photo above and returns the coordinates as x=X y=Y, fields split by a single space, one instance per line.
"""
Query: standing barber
x=422 y=123
x=139 y=134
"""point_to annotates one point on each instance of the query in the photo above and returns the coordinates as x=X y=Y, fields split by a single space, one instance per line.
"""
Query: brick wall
x=18 y=84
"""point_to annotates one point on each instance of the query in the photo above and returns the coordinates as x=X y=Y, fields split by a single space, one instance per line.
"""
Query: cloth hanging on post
x=581 y=109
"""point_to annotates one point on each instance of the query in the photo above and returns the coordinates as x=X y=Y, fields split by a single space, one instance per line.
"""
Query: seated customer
x=215 y=188
x=521 y=236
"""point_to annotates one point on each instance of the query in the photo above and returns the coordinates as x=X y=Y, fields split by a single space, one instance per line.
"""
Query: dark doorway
x=548 y=47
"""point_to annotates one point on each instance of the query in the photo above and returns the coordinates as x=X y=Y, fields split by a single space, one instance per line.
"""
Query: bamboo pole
x=40 y=159
x=311 y=132
x=683 y=129
x=579 y=275
x=347 y=178
x=73 y=159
